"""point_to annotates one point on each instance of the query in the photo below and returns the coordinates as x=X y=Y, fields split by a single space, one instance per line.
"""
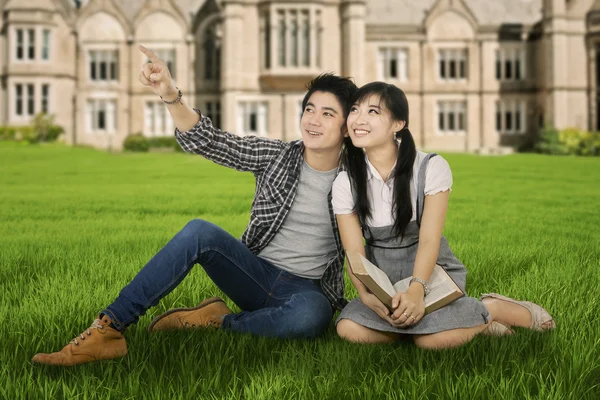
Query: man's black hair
x=341 y=87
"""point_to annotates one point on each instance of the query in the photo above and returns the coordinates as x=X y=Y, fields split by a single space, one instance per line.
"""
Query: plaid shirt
x=276 y=166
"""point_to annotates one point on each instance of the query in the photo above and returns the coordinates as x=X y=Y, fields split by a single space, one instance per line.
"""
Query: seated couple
x=286 y=273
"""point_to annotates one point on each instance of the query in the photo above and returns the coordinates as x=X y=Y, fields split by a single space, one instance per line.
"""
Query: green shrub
x=549 y=142
x=136 y=142
x=41 y=130
x=165 y=142
x=7 y=133
x=27 y=134
x=568 y=141
x=54 y=131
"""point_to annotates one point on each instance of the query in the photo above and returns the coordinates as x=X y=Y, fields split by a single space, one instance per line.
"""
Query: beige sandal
x=539 y=316
x=497 y=329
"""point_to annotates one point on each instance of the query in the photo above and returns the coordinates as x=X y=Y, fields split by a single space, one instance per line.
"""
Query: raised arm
x=196 y=134
x=156 y=76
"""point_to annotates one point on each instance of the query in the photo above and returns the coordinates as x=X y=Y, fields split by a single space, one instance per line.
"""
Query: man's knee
x=310 y=315
x=201 y=230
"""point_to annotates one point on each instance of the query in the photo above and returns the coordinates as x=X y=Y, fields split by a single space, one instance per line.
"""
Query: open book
x=442 y=288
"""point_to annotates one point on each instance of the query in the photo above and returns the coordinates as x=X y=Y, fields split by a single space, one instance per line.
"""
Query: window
x=31 y=44
x=45 y=98
x=19 y=99
x=101 y=115
x=452 y=64
x=46 y=44
x=157 y=120
x=252 y=118
x=30 y=99
x=213 y=41
x=20 y=45
x=510 y=117
x=25 y=44
x=297 y=34
x=212 y=109
x=104 y=65
x=393 y=64
x=510 y=64
x=25 y=99
x=452 y=117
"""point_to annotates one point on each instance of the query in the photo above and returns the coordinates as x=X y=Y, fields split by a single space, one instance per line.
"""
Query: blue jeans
x=274 y=302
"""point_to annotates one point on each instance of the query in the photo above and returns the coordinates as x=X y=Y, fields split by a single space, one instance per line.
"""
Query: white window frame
x=157 y=120
x=385 y=57
x=245 y=110
x=46 y=48
x=451 y=110
x=93 y=106
x=97 y=55
x=290 y=37
x=45 y=98
x=513 y=55
x=29 y=42
x=19 y=100
x=32 y=99
x=449 y=55
x=515 y=110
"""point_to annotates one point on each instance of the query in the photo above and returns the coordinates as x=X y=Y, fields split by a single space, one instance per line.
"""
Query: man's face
x=323 y=123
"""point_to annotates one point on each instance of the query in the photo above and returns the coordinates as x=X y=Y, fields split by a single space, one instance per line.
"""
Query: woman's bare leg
x=450 y=338
x=353 y=332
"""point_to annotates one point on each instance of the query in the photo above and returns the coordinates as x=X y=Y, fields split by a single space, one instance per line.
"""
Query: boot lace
x=97 y=324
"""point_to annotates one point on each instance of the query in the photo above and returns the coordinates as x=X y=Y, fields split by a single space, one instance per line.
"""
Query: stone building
x=480 y=75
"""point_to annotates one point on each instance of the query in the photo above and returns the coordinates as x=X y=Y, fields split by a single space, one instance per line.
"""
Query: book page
x=378 y=276
x=440 y=285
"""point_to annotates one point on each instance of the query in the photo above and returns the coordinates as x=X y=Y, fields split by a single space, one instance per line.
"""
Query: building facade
x=480 y=75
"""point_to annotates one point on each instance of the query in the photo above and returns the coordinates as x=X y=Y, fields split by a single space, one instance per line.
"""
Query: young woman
x=396 y=198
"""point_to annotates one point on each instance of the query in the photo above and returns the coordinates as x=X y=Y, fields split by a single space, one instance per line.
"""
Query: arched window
x=212 y=51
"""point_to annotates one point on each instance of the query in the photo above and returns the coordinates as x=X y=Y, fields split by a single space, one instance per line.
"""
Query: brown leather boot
x=98 y=342
x=209 y=313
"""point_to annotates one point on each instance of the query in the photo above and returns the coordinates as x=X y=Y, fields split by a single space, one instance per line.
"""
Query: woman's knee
x=350 y=331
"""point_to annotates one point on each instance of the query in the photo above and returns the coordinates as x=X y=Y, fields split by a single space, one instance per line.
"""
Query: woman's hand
x=156 y=76
x=371 y=301
x=409 y=307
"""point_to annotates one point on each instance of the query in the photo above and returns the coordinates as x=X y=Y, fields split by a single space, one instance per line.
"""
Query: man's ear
x=345 y=131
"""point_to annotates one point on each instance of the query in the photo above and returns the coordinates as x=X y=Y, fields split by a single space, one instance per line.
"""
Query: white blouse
x=438 y=178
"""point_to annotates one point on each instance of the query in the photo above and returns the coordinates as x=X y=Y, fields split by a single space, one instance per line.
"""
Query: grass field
x=77 y=224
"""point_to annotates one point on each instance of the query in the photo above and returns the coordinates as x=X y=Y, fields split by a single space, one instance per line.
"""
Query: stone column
x=353 y=39
x=231 y=60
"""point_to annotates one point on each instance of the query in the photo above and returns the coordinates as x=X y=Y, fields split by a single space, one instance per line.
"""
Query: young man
x=286 y=273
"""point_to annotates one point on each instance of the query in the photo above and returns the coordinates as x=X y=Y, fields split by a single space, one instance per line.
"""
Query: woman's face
x=370 y=124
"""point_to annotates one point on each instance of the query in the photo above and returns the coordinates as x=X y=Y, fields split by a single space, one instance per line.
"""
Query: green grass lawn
x=77 y=224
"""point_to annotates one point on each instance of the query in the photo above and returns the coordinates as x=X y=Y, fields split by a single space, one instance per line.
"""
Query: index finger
x=151 y=56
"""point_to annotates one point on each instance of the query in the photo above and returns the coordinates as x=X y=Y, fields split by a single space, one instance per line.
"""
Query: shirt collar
x=372 y=172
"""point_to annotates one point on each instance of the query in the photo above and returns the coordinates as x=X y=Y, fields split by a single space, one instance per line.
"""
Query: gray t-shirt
x=305 y=243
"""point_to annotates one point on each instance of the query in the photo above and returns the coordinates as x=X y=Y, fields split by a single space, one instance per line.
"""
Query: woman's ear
x=398 y=126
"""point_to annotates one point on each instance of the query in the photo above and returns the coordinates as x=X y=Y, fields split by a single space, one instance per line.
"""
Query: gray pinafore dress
x=396 y=258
